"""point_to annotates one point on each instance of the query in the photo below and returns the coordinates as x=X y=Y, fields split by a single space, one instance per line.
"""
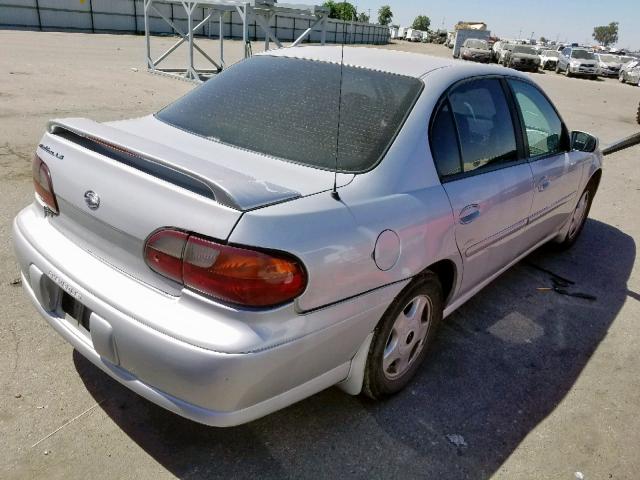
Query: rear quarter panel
x=336 y=239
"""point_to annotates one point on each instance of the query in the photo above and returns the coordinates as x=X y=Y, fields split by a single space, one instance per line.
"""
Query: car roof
x=393 y=61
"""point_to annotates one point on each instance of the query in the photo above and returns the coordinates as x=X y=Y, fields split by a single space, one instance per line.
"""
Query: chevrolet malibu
x=296 y=222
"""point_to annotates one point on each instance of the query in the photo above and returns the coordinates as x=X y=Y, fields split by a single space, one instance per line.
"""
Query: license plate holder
x=76 y=310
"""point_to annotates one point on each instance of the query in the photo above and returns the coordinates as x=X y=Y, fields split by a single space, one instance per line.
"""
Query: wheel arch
x=447 y=272
x=594 y=180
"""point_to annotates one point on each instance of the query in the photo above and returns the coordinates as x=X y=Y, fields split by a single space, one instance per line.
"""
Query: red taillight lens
x=232 y=274
x=242 y=276
x=42 y=183
x=163 y=253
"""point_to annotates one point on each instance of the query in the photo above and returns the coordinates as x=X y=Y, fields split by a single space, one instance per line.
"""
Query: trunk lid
x=144 y=184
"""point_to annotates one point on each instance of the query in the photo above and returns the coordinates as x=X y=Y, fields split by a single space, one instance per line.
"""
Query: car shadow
x=500 y=365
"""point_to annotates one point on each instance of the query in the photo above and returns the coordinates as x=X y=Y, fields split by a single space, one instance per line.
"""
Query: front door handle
x=469 y=213
x=543 y=183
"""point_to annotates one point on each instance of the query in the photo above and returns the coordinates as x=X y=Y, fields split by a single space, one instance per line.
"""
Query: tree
x=543 y=40
x=363 y=17
x=341 y=10
x=385 y=15
x=421 y=22
x=606 y=34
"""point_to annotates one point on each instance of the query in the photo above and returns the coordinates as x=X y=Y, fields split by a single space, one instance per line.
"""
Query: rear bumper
x=210 y=386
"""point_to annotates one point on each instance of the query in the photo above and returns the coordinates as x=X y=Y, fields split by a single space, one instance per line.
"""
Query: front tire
x=403 y=337
x=621 y=77
x=578 y=218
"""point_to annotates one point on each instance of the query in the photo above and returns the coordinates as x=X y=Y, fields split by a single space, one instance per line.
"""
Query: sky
x=566 y=20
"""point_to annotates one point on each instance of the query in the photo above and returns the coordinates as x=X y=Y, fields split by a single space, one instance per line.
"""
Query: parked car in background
x=255 y=265
x=608 y=65
x=630 y=73
x=505 y=49
x=496 y=48
x=462 y=35
x=475 y=50
x=413 y=35
x=577 y=61
x=522 y=57
x=548 y=59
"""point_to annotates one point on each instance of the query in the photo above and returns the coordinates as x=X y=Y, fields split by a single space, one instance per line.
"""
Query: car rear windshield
x=524 y=49
x=551 y=53
x=608 y=58
x=289 y=108
x=479 y=44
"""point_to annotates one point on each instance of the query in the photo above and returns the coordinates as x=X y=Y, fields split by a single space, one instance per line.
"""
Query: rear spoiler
x=179 y=168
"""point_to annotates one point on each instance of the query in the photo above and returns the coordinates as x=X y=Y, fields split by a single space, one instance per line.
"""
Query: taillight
x=232 y=274
x=42 y=183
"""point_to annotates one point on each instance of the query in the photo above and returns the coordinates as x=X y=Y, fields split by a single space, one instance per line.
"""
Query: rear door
x=489 y=184
x=557 y=171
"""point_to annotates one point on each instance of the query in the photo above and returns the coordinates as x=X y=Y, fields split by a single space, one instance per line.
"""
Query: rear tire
x=578 y=218
x=403 y=337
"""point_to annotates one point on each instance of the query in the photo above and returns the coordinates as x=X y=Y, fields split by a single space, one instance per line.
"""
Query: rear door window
x=444 y=142
x=484 y=124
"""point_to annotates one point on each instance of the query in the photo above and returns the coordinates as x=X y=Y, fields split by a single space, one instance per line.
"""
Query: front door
x=487 y=181
x=557 y=172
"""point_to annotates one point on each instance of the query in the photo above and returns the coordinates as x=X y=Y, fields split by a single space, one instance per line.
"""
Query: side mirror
x=583 y=142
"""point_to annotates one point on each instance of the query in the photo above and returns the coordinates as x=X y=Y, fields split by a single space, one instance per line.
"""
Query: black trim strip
x=496 y=237
x=550 y=208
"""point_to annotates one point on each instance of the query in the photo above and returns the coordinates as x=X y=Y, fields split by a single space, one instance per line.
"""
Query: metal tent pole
x=244 y=13
x=221 y=27
x=267 y=18
x=323 y=32
x=147 y=38
x=190 y=68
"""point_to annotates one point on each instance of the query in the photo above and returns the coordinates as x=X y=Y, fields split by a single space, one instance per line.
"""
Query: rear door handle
x=469 y=213
x=543 y=184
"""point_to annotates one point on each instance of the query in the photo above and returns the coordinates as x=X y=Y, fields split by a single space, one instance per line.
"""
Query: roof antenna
x=334 y=191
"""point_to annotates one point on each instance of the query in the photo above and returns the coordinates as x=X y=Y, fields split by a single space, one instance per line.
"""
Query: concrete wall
x=127 y=16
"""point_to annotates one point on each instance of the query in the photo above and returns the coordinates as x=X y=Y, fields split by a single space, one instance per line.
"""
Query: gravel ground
x=522 y=383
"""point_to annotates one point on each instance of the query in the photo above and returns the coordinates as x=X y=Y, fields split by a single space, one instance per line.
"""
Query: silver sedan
x=297 y=222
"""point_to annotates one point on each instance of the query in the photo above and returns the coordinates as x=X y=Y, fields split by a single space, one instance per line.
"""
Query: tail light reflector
x=232 y=274
x=43 y=184
x=163 y=253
